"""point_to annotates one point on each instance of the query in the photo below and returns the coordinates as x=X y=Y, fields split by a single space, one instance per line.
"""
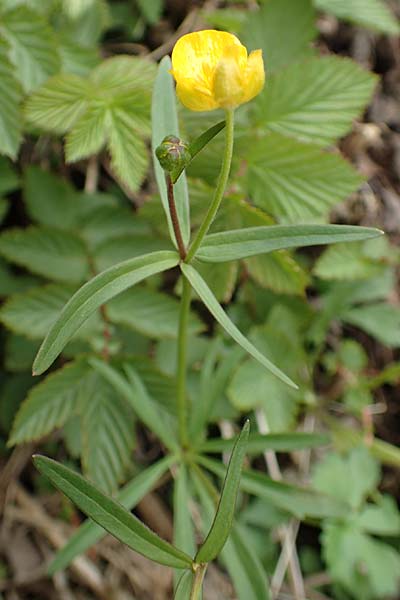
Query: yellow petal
x=228 y=84
x=194 y=96
x=254 y=77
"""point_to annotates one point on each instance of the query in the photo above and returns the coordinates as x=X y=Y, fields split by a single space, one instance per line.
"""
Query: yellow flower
x=212 y=70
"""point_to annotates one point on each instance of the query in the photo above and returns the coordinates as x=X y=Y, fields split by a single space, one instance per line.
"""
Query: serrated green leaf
x=345 y=548
x=132 y=389
x=50 y=403
x=296 y=181
x=10 y=100
x=223 y=520
x=77 y=59
x=316 y=100
x=278 y=272
x=382 y=518
x=373 y=14
x=165 y=122
x=108 y=436
x=346 y=262
x=32 y=313
x=52 y=253
x=57 y=105
x=124 y=247
x=219 y=314
x=350 y=478
x=152 y=313
x=111 y=515
x=242 y=243
x=89 y=532
x=298 y=501
x=258 y=443
x=33 y=50
x=93 y=294
x=381 y=320
x=111 y=106
x=283 y=29
x=89 y=134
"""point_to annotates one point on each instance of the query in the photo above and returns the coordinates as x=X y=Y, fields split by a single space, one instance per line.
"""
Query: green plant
x=121 y=340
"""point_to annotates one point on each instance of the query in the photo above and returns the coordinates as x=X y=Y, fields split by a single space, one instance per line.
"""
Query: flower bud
x=173 y=154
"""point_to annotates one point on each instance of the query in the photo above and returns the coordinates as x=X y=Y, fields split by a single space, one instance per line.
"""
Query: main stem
x=220 y=189
x=182 y=360
x=174 y=218
x=187 y=257
x=197 y=585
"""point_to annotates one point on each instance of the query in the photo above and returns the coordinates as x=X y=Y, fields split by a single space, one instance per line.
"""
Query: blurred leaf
x=108 y=434
x=125 y=247
x=367 y=568
x=152 y=313
x=33 y=49
x=50 y=403
x=382 y=321
x=92 y=295
x=220 y=278
x=9 y=179
x=134 y=391
x=223 y=519
x=382 y=518
x=217 y=311
x=184 y=586
x=373 y=14
x=283 y=30
x=296 y=181
x=350 y=478
x=19 y=353
x=89 y=532
x=165 y=122
x=298 y=501
x=151 y=10
x=111 y=515
x=316 y=100
x=32 y=313
x=346 y=262
x=258 y=443
x=10 y=100
x=45 y=251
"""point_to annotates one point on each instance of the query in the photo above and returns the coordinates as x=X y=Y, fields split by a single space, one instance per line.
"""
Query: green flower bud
x=173 y=154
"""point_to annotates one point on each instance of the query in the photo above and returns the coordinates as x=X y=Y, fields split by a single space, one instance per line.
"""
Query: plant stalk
x=182 y=361
x=174 y=218
x=195 y=593
x=220 y=189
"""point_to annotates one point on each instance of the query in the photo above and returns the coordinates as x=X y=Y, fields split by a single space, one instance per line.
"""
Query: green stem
x=182 y=360
x=220 y=189
x=197 y=585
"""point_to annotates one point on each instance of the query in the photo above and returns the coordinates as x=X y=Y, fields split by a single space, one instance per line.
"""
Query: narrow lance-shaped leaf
x=92 y=295
x=89 y=532
x=222 y=524
x=197 y=145
x=111 y=515
x=242 y=243
x=220 y=315
x=279 y=442
x=165 y=122
x=296 y=500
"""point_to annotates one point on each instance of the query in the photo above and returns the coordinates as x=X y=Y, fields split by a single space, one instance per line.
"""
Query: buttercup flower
x=213 y=70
